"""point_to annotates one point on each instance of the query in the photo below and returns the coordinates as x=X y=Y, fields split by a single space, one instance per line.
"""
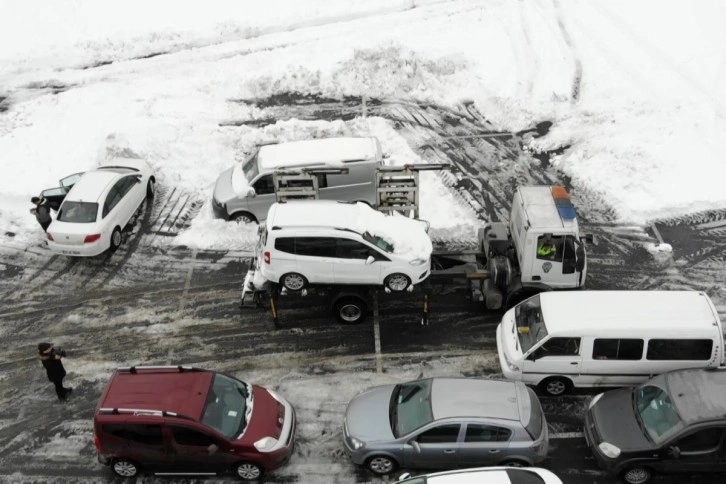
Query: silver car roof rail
x=143 y=411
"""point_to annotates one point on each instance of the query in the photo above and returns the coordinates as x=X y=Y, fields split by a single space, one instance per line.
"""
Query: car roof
x=92 y=184
x=585 y=313
x=468 y=397
x=699 y=395
x=172 y=390
x=317 y=151
x=314 y=213
x=488 y=475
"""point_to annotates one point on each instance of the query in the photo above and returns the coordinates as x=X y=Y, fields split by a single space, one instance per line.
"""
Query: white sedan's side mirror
x=370 y=260
x=251 y=193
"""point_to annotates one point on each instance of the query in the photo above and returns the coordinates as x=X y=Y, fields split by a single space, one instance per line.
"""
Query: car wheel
x=150 y=189
x=248 y=471
x=381 y=464
x=293 y=281
x=349 y=310
x=125 y=468
x=397 y=282
x=555 y=386
x=243 y=218
x=637 y=475
x=514 y=463
x=116 y=239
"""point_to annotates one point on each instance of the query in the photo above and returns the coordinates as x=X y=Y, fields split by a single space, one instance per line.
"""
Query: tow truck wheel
x=349 y=310
x=397 y=282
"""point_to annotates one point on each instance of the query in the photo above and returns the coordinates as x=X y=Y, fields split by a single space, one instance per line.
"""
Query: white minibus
x=561 y=340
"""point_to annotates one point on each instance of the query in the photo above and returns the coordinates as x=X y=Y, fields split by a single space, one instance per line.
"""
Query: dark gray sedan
x=444 y=423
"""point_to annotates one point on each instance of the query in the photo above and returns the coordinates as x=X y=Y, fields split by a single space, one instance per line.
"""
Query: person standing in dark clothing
x=42 y=212
x=51 y=359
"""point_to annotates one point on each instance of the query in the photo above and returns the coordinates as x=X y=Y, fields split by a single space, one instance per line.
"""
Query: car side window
x=315 y=246
x=190 y=436
x=486 y=433
x=679 y=349
x=114 y=196
x=285 y=244
x=701 y=441
x=147 y=434
x=443 y=434
x=351 y=249
x=617 y=349
x=264 y=185
x=559 y=347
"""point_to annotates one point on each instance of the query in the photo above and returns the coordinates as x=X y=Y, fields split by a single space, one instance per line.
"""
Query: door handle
x=573 y=363
x=449 y=451
x=494 y=451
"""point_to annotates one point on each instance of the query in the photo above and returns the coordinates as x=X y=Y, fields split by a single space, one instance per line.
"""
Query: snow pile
x=407 y=236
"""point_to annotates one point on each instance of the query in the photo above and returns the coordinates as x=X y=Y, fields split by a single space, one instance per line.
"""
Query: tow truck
x=506 y=268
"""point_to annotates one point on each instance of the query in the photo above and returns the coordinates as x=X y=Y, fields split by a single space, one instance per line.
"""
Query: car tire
x=248 y=471
x=125 y=468
x=243 y=218
x=397 y=282
x=116 y=239
x=292 y=281
x=150 y=189
x=636 y=475
x=514 y=463
x=349 y=310
x=381 y=465
x=555 y=386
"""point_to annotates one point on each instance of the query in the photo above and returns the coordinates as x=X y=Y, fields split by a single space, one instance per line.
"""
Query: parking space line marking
x=377 y=334
x=187 y=282
x=567 y=435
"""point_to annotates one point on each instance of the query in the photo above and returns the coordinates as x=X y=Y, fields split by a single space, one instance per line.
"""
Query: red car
x=190 y=421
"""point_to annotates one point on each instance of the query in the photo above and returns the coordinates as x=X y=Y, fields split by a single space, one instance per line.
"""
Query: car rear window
x=522 y=476
x=78 y=212
x=534 y=426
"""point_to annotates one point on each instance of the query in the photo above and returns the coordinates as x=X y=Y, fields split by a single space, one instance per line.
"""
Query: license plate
x=70 y=252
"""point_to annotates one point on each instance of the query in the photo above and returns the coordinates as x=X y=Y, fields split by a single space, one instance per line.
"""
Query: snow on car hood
x=408 y=236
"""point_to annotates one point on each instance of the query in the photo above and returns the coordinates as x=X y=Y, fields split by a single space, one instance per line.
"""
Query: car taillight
x=50 y=237
x=97 y=443
x=91 y=238
x=267 y=257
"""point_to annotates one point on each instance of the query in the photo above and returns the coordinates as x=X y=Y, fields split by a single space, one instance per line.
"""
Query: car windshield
x=655 y=413
x=529 y=322
x=78 y=212
x=378 y=242
x=226 y=406
x=410 y=407
x=250 y=168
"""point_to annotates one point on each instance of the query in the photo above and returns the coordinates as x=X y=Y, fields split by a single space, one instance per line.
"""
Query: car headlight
x=356 y=443
x=594 y=400
x=418 y=262
x=609 y=450
x=265 y=444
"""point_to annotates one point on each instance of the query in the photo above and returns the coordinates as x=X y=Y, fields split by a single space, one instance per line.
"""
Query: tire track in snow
x=577 y=75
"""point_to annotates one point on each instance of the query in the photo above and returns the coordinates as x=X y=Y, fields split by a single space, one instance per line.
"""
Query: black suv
x=675 y=422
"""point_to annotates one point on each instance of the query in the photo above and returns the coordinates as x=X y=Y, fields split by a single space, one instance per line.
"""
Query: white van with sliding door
x=561 y=340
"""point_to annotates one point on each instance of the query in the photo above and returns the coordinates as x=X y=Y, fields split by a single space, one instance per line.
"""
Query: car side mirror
x=138 y=178
x=403 y=476
x=531 y=357
x=251 y=193
x=212 y=449
x=590 y=239
x=674 y=451
x=416 y=447
x=370 y=260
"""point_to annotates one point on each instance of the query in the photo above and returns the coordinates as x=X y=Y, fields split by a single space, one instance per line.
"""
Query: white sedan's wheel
x=397 y=282
x=150 y=189
x=116 y=238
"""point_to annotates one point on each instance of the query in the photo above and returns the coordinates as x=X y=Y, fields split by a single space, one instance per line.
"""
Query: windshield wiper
x=637 y=417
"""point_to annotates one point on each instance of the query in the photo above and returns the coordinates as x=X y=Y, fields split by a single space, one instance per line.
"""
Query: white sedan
x=485 y=475
x=95 y=206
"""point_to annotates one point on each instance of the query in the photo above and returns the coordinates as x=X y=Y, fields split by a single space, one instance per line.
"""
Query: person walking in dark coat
x=42 y=212
x=51 y=359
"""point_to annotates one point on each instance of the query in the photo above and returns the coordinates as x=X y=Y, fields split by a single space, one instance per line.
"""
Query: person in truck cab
x=546 y=248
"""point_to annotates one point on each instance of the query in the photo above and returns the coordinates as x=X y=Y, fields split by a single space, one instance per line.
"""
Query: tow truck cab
x=538 y=249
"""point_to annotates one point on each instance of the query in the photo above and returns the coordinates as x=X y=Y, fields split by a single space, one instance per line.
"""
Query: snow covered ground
x=639 y=98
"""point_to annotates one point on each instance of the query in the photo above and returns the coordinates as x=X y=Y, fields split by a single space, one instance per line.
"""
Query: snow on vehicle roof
x=539 y=205
x=91 y=185
x=317 y=151
x=408 y=236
